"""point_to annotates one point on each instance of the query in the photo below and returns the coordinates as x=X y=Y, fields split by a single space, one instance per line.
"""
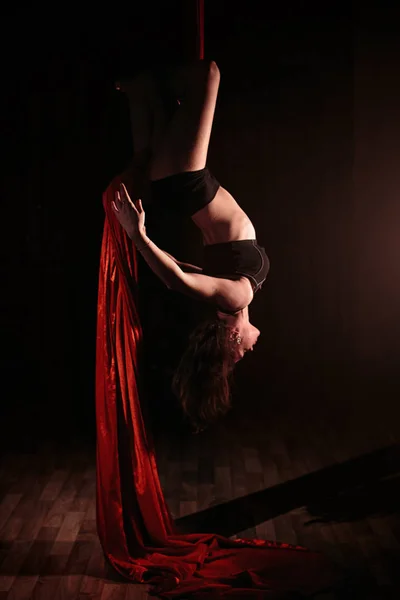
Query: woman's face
x=248 y=338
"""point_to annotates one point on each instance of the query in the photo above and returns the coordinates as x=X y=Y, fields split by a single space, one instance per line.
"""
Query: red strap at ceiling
x=200 y=28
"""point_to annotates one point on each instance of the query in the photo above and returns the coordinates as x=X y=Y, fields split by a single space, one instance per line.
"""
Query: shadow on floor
x=357 y=488
x=373 y=498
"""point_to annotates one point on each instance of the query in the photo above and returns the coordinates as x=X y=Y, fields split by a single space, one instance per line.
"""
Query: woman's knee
x=202 y=79
x=194 y=76
x=206 y=71
x=213 y=70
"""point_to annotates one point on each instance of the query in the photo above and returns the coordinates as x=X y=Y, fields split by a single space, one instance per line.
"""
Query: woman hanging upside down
x=171 y=127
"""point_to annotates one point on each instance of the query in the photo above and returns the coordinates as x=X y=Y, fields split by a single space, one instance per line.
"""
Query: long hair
x=202 y=379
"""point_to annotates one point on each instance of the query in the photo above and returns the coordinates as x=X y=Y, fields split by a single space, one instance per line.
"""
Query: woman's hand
x=131 y=217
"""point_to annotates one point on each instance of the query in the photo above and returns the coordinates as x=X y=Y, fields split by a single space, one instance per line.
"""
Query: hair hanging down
x=202 y=380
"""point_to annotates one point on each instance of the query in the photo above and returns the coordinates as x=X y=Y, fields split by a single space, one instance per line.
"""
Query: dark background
x=306 y=137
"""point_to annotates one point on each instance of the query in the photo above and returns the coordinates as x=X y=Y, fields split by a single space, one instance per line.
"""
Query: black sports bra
x=233 y=260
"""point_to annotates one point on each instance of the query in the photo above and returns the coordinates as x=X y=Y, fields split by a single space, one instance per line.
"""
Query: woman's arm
x=161 y=263
x=224 y=293
x=186 y=267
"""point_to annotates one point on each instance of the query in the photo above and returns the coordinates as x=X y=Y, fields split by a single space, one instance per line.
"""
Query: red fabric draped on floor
x=134 y=525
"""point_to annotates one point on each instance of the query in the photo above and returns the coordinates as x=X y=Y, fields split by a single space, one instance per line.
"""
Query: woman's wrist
x=141 y=242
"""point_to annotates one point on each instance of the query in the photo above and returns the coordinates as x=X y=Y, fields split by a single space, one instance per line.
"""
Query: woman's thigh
x=184 y=144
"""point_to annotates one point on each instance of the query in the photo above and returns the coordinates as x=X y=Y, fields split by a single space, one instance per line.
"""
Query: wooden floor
x=274 y=476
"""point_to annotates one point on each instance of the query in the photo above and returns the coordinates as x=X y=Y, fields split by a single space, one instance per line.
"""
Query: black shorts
x=184 y=193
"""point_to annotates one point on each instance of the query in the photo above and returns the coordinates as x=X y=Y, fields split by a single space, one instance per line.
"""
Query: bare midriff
x=222 y=220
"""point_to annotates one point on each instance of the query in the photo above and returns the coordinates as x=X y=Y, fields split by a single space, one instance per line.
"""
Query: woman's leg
x=184 y=143
x=147 y=115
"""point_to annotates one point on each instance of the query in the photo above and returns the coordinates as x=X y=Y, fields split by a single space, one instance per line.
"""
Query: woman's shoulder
x=233 y=295
x=227 y=294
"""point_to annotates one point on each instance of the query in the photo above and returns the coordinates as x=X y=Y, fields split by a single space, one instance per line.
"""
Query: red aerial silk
x=200 y=29
x=134 y=524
